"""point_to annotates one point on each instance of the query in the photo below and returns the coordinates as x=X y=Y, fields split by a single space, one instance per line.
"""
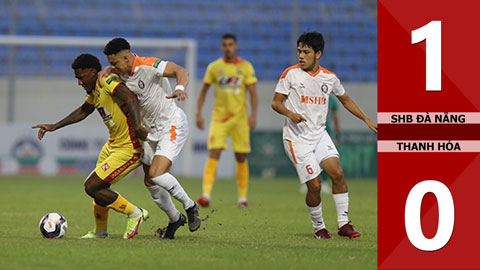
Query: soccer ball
x=53 y=225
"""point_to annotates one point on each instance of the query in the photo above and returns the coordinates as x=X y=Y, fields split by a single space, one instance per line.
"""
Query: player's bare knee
x=155 y=171
x=93 y=184
x=314 y=185
x=240 y=157
x=148 y=182
x=337 y=175
x=215 y=153
x=105 y=197
x=89 y=189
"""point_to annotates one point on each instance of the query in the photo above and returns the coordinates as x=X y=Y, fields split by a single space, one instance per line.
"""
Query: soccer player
x=233 y=78
x=301 y=95
x=167 y=124
x=121 y=153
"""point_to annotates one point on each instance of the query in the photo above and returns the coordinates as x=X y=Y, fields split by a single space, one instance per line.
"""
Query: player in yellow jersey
x=233 y=78
x=120 y=155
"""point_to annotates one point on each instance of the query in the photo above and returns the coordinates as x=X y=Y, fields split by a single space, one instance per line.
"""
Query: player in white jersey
x=301 y=95
x=165 y=122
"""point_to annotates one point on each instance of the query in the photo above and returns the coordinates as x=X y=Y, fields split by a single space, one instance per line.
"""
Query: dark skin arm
x=76 y=116
x=200 y=102
x=133 y=108
x=252 y=120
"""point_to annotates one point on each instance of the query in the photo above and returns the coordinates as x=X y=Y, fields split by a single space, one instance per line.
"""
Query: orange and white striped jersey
x=307 y=94
x=147 y=82
x=230 y=81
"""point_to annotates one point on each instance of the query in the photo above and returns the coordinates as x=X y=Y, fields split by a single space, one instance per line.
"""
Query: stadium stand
x=264 y=30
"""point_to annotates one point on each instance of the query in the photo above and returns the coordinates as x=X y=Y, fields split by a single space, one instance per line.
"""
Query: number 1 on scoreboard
x=432 y=33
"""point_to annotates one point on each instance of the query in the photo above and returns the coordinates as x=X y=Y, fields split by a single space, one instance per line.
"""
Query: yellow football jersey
x=114 y=113
x=230 y=81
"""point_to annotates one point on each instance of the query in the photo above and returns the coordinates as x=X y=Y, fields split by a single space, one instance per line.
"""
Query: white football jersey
x=307 y=94
x=147 y=82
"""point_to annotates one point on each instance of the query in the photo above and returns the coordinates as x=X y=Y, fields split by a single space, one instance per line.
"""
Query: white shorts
x=168 y=142
x=307 y=157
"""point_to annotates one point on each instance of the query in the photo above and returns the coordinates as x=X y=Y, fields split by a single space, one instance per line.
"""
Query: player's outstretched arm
x=352 y=107
x=200 y=102
x=252 y=120
x=173 y=70
x=78 y=115
x=133 y=108
x=278 y=106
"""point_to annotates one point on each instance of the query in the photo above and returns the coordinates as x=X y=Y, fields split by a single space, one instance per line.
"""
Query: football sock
x=316 y=215
x=242 y=179
x=162 y=198
x=209 y=176
x=341 y=202
x=100 y=214
x=135 y=213
x=121 y=205
x=171 y=184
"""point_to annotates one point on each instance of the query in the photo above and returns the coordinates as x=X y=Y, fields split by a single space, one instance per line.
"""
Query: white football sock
x=316 y=215
x=162 y=199
x=341 y=202
x=206 y=196
x=136 y=212
x=170 y=184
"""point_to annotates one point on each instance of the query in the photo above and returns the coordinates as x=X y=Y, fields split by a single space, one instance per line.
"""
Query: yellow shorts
x=237 y=128
x=114 y=163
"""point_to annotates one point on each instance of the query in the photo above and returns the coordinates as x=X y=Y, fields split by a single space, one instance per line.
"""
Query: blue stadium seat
x=263 y=29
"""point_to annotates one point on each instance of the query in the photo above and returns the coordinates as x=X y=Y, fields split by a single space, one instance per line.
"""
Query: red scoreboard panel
x=428 y=134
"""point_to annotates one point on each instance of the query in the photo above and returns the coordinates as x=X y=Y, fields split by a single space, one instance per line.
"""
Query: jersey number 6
x=309 y=169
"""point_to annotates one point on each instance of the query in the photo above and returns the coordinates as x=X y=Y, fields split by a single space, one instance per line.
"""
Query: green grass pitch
x=275 y=233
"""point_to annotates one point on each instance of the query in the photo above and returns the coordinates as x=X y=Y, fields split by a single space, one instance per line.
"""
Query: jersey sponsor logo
x=230 y=82
x=104 y=114
x=302 y=85
x=141 y=84
x=155 y=65
x=314 y=100
x=324 y=88
x=111 y=79
x=105 y=167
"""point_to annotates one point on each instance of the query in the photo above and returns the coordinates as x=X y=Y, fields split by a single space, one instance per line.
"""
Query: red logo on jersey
x=314 y=100
x=105 y=167
x=230 y=81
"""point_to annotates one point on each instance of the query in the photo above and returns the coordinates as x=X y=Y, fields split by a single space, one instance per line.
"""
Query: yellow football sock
x=209 y=175
x=242 y=179
x=121 y=205
x=100 y=214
